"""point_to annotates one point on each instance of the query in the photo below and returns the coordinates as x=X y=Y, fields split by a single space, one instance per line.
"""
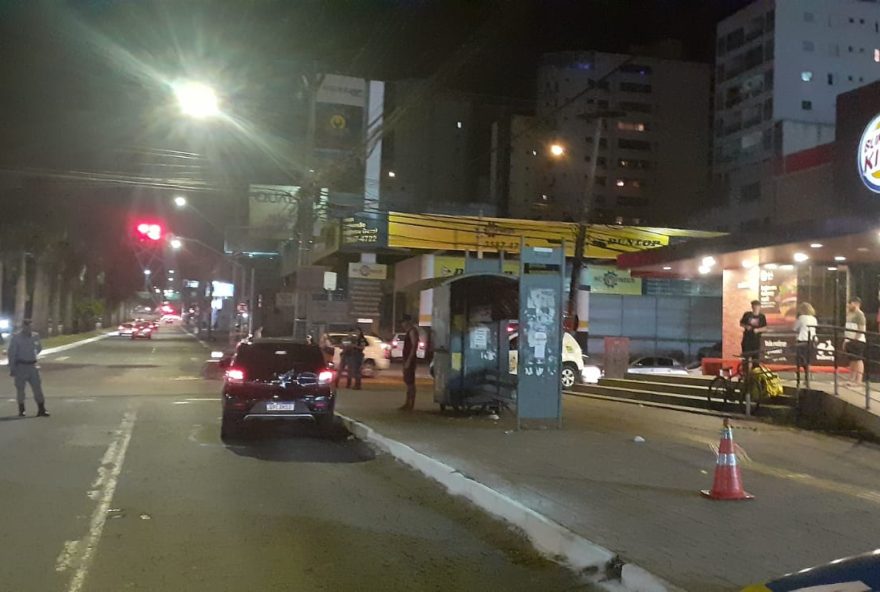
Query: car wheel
x=231 y=426
x=368 y=369
x=569 y=375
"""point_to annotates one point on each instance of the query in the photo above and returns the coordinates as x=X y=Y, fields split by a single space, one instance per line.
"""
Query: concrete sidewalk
x=818 y=497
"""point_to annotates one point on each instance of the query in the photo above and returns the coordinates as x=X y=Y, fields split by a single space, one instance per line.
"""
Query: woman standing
x=805 y=327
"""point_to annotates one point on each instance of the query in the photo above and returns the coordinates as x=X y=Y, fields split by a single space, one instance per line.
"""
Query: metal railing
x=829 y=349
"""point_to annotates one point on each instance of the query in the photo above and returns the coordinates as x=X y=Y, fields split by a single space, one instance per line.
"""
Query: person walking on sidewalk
x=24 y=347
x=410 y=347
x=854 y=341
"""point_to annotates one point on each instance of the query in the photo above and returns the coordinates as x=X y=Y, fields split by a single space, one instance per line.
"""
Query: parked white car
x=657 y=365
x=377 y=354
x=575 y=365
x=397 y=346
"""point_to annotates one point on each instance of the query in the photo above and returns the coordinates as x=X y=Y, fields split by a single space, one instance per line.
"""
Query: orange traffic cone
x=728 y=481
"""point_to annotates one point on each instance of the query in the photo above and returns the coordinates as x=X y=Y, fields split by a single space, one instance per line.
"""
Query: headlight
x=4 y=324
x=591 y=374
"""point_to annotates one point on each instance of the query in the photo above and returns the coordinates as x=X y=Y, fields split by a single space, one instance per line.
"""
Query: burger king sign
x=869 y=155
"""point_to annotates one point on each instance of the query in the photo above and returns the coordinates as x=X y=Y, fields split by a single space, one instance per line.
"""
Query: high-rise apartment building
x=652 y=161
x=780 y=65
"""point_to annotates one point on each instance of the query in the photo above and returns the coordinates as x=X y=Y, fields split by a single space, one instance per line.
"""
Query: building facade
x=651 y=149
x=780 y=65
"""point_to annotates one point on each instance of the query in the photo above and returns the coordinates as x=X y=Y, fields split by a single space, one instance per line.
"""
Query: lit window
x=806 y=76
x=458 y=124
x=631 y=126
x=877 y=55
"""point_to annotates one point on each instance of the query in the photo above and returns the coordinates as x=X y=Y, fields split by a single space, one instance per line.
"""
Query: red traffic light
x=149 y=231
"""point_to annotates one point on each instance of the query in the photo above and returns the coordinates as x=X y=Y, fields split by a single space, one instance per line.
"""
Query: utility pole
x=584 y=208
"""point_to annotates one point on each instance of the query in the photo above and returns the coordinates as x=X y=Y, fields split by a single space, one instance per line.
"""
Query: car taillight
x=326 y=376
x=235 y=375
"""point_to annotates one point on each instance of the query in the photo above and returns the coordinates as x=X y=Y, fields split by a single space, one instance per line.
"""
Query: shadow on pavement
x=13 y=418
x=299 y=442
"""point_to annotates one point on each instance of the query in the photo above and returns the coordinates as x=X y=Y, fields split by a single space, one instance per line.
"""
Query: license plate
x=280 y=406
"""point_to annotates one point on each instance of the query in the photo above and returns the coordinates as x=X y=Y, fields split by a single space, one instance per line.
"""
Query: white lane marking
x=66 y=555
x=203 y=399
x=81 y=553
x=180 y=403
x=62 y=358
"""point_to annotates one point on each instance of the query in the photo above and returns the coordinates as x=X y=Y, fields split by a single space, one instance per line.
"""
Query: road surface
x=128 y=487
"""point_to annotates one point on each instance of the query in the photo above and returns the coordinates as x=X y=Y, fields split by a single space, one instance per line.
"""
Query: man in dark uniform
x=24 y=347
x=410 y=347
x=753 y=323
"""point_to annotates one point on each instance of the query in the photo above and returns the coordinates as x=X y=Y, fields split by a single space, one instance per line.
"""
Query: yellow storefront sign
x=450 y=265
x=491 y=235
x=605 y=279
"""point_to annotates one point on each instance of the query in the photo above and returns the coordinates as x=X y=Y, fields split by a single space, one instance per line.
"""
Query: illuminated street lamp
x=196 y=99
x=176 y=243
x=180 y=201
x=147 y=272
x=557 y=150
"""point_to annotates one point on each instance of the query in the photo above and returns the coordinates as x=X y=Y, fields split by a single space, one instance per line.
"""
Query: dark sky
x=85 y=81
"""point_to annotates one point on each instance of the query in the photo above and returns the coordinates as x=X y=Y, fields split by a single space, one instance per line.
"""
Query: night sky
x=85 y=81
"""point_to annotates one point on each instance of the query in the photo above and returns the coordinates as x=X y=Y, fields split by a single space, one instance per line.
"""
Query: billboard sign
x=272 y=209
x=368 y=271
x=339 y=113
x=869 y=155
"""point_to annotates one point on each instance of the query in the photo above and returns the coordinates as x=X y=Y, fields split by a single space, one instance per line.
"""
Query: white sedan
x=657 y=365
x=377 y=354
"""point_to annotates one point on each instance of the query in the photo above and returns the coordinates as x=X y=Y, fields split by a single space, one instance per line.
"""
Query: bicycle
x=733 y=387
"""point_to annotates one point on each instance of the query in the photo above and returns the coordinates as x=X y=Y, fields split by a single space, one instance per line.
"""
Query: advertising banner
x=778 y=296
x=450 y=265
x=272 y=209
x=368 y=271
x=364 y=231
x=339 y=113
x=606 y=279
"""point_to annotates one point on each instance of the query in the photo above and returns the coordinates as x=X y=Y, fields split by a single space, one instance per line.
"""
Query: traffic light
x=149 y=232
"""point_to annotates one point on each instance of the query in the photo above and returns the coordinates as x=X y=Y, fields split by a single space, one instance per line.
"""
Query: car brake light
x=235 y=375
x=326 y=376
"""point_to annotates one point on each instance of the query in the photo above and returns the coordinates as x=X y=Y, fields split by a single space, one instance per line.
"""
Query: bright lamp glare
x=801 y=257
x=176 y=243
x=180 y=201
x=557 y=149
x=196 y=99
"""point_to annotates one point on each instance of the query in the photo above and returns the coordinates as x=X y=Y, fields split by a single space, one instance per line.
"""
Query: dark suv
x=277 y=379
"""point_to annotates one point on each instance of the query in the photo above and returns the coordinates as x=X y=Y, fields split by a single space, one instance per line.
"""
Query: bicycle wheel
x=719 y=391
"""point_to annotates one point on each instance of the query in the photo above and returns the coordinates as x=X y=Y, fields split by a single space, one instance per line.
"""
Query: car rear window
x=263 y=361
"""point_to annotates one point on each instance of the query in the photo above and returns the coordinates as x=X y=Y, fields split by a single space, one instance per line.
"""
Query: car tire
x=569 y=375
x=231 y=426
x=368 y=369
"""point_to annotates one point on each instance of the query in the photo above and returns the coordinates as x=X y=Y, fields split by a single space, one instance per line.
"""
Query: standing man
x=410 y=347
x=356 y=361
x=854 y=340
x=753 y=323
x=24 y=347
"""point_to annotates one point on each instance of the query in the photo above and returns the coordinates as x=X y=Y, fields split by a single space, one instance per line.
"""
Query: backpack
x=766 y=381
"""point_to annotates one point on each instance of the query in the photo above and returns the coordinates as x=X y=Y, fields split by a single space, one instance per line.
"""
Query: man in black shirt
x=753 y=323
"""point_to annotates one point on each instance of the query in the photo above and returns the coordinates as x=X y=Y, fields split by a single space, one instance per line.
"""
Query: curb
x=546 y=536
x=61 y=348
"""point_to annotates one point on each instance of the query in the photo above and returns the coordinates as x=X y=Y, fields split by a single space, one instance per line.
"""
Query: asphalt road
x=128 y=487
